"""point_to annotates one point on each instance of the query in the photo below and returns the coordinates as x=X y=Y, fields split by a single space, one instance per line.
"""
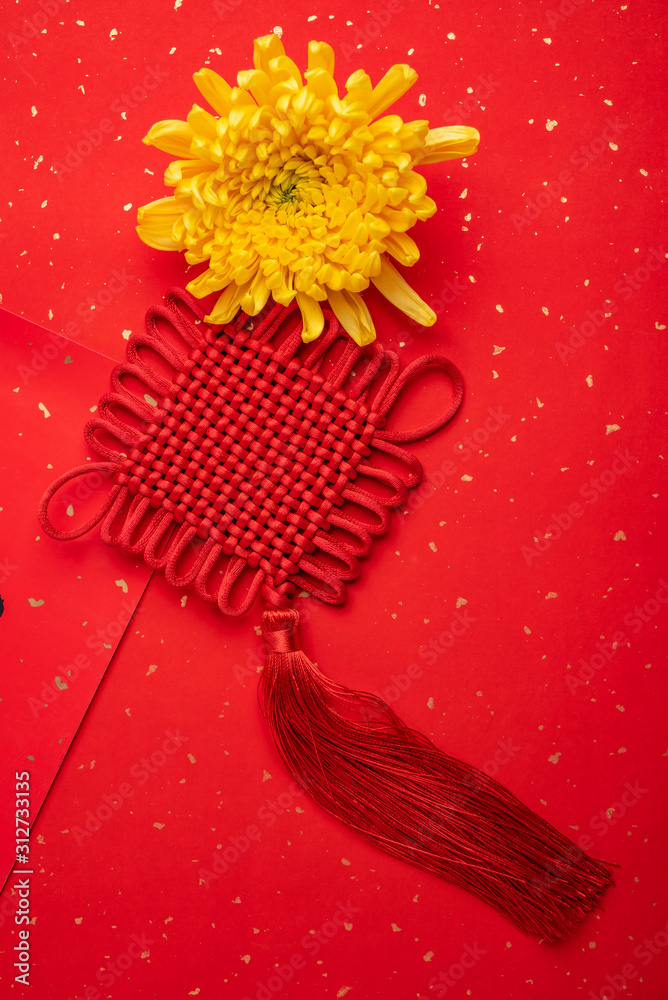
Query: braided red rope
x=245 y=450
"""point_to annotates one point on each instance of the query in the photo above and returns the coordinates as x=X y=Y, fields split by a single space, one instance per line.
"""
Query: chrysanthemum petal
x=321 y=83
x=256 y=82
x=256 y=297
x=156 y=222
x=265 y=49
x=171 y=136
x=449 y=143
x=203 y=123
x=179 y=170
x=398 y=79
x=204 y=284
x=214 y=89
x=403 y=248
x=284 y=68
x=312 y=317
x=227 y=305
x=396 y=289
x=359 y=87
x=353 y=315
x=321 y=56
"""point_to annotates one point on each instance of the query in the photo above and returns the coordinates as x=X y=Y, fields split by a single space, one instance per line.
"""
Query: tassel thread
x=356 y=759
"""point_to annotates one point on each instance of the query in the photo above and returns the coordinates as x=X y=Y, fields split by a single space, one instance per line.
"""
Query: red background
x=513 y=276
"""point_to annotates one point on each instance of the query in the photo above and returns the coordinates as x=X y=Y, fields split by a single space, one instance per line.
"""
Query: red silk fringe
x=353 y=755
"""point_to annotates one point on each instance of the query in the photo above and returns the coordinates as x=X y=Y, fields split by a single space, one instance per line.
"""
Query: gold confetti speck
x=432 y=546
x=122 y=584
x=191 y=758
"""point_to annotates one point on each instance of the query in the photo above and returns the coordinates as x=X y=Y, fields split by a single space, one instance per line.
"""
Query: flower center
x=297 y=184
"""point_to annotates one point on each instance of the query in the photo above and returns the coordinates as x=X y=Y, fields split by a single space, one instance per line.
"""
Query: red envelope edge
x=66 y=605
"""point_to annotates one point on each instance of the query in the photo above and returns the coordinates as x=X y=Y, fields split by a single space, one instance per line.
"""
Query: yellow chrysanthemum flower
x=297 y=193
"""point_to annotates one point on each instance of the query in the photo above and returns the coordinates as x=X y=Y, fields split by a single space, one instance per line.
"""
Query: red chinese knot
x=254 y=456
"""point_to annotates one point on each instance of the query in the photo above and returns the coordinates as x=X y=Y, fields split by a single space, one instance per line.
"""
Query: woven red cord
x=242 y=447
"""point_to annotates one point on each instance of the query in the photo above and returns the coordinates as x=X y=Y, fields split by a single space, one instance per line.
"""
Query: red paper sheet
x=65 y=606
x=172 y=857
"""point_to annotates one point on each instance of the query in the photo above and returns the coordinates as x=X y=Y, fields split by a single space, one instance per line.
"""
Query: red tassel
x=391 y=784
